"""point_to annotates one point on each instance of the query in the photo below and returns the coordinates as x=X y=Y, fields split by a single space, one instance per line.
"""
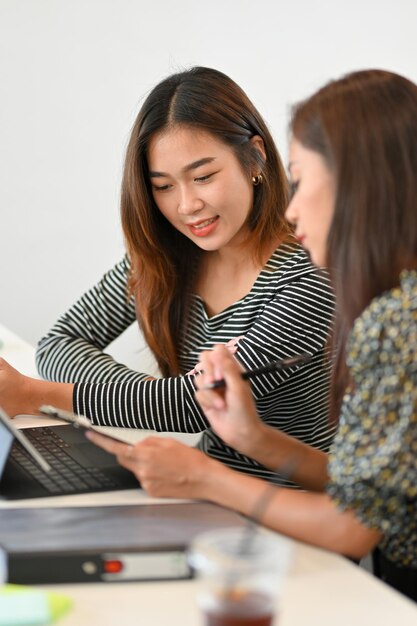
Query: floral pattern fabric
x=373 y=460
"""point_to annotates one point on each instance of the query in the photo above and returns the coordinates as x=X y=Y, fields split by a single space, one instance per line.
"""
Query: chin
x=316 y=258
x=207 y=246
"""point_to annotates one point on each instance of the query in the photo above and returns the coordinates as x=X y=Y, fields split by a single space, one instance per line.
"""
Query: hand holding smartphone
x=77 y=421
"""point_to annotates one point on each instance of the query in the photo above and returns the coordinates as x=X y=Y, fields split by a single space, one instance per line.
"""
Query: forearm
x=309 y=517
x=35 y=393
x=274 y=449
x=164 y=405
x=73 y=359
x=72 y=351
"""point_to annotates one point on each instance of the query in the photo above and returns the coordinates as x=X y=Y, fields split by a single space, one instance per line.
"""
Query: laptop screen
x=6 y=441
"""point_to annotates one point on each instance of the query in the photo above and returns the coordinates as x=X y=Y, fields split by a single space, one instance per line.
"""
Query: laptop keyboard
x=66 y=475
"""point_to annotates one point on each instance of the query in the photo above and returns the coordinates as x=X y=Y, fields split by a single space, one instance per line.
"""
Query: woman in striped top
x=210 y=259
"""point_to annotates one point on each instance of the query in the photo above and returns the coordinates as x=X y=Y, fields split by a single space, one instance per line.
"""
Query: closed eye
x=204 y=179
x=161 y=187
x=294 y=184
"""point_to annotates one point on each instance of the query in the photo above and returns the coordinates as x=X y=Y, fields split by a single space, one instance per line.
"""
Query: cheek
x=325 y=227
x=237 y=192
x=243 y=205
x=327 y=215
x=290 y=213
x=164 y=205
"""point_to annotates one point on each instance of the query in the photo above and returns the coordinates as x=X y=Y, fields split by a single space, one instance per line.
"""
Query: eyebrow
x=186 y=168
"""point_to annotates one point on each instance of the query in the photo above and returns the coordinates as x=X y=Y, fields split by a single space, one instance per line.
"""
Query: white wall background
x=72 y=77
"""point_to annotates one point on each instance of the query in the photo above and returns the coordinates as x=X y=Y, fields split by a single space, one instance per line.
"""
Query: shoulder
x=289 y=254
x=114 y=282
x=120 y=271
x=290 y=266
x=124 y=265
x=386 y=331
x=291 y=260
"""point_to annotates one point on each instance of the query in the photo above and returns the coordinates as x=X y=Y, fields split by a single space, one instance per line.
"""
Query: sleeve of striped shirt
x=73 y=349
x=295 y=319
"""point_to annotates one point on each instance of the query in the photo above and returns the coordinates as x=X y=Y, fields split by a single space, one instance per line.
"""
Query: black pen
x=264 y=369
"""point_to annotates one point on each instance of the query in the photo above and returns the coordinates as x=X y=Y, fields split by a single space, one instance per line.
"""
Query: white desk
x=322 y=589
x=17 y=352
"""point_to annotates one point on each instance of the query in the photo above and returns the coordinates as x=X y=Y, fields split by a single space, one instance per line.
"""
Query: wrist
x=30 y=394
x=37 y=392
x=232 y=489
x=209 y=479
x=255 y=440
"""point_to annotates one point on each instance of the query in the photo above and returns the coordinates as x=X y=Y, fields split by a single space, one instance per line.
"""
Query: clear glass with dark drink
x=240 y=574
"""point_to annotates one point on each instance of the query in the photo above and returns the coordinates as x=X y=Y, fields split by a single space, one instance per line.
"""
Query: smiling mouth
x=204 y=224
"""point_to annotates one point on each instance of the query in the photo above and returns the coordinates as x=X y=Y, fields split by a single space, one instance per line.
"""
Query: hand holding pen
x=274 y=366
x=232 y=413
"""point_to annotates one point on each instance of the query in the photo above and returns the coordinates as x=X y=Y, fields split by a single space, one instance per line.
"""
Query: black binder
x=106 y=543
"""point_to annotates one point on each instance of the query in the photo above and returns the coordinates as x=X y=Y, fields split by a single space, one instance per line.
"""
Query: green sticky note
x=58 y=604
x=25 y=606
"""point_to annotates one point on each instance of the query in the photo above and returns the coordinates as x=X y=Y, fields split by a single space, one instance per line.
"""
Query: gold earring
x=257 y=180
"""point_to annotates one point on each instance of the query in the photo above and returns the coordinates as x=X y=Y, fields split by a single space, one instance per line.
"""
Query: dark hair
x=164 y=261
x=365 y=127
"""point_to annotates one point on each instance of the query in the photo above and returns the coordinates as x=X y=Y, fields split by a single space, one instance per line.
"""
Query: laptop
x=54 y=461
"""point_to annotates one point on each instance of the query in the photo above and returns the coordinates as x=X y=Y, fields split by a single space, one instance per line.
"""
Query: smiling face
x=312 y=204
x=200 y=187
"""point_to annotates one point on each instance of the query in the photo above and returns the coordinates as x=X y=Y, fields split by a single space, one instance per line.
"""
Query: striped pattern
x=288 y=311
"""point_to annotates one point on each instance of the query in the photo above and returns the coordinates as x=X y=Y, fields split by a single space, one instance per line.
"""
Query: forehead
x=181 y=145
x=306 y=160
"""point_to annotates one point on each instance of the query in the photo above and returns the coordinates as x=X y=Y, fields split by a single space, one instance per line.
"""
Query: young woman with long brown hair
x=210 y=258
x=353 y=164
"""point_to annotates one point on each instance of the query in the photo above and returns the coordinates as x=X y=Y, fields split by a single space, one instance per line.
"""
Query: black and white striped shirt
x=288 y=311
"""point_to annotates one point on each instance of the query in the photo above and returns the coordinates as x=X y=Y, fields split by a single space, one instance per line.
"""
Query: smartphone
x=77 y=421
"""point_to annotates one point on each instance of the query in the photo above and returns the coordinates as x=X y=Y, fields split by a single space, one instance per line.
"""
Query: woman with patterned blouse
x=353 y=166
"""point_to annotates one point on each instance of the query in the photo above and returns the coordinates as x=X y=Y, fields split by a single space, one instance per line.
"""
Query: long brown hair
x=365 y=127
x=165 y=262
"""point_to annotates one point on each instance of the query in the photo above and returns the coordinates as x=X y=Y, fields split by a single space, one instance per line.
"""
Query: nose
x=291 y=213
x=189 y=201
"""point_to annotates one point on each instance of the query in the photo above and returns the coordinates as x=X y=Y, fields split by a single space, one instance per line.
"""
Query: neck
x=227 y=275
x=234 y=256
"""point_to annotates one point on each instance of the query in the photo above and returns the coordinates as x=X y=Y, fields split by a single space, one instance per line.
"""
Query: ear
x=258 y=143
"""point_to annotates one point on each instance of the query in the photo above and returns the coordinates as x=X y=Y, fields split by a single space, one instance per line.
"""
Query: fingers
x=163 y=466
x=219 y=364
x=196 y=370
x=210 y=362
x=124 y=452
x=231 y=346
x=133 y=457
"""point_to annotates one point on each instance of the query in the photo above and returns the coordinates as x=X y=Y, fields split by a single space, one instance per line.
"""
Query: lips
x=204 y=227
x=198 y=225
